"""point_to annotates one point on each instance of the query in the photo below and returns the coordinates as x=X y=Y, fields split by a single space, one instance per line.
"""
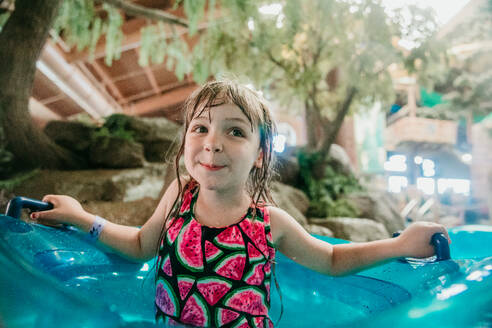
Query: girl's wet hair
x=255 y=109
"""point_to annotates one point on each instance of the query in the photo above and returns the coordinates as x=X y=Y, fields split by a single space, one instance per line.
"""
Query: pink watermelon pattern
x=259 y=322
x=166 y=298
x=186 y=204
x=230 y=238
x=256 y=232
x=224 y=316
x=254 y=254
x=211 y=252
x=184 y=285
x=247 y=299
x=215 y=276
x=231 y=266
x=268 y=268
x=189 y=248
x=213 y=289
x=166 y=266
x=255 y=275
x=243 y=323
x=174 y=229
x=195 y=312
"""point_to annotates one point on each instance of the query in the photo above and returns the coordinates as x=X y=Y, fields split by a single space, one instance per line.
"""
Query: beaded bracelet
x=97 y=228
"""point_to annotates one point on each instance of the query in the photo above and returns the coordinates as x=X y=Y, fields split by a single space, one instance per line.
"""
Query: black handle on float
x=441 y=246
x=440 y=243
x=15 y=206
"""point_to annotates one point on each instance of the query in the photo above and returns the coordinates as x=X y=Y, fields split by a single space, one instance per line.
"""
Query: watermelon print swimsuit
x=215 y=277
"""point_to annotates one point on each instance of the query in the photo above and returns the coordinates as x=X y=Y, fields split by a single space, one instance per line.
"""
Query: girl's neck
x=220 y=209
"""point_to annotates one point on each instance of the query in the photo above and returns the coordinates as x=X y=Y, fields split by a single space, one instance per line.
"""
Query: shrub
x=326 y=194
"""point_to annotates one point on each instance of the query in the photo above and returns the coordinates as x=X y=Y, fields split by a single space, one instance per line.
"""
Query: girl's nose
x=213 y=147
x=213 y=144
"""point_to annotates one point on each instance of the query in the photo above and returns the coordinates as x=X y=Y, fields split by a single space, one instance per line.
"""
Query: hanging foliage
x=80 y=25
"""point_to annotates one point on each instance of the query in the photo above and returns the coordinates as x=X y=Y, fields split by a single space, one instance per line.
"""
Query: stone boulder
x=157 y=135
x=318 y=230
x=114 y=152
x=340 y=160
x=379 y=207
x=358 y=230
x=288 y=170
x=75 y=136
x=133 y=213
x=291 y=200
x=98 y=185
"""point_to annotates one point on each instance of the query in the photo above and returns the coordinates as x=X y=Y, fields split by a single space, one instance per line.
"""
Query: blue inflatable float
x=56 y=277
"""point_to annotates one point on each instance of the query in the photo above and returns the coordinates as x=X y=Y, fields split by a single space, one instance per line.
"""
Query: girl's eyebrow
x=229 y=119
x=237 y=119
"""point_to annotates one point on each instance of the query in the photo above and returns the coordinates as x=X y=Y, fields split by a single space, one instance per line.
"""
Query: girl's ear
x=259 y=160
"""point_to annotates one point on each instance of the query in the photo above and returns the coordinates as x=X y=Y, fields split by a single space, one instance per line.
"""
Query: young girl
x=213 y=232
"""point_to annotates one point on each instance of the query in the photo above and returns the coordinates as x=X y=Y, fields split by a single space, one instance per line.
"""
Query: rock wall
x=126 y=196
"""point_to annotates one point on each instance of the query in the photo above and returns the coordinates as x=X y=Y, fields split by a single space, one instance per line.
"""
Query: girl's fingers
x=50 y=199
x=43 y=215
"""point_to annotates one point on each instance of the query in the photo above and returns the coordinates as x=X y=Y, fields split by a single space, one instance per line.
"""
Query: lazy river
x=57 y=277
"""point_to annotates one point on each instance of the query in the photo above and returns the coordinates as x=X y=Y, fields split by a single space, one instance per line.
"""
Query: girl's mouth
x=212 y=167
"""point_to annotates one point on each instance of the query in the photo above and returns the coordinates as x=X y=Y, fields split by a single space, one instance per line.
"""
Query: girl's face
x=221 y=150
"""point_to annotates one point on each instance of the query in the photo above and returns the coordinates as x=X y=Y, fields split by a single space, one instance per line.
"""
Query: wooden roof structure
x=68 y=82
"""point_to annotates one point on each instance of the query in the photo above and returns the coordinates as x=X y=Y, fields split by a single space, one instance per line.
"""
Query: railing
x=401 y=127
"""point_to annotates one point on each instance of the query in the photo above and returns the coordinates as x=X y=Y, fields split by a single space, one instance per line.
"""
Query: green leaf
x=114 y=35
x=194 y=10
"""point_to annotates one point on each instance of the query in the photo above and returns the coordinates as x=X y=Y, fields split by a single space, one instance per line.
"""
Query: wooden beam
x=42 y=113
x=168 y=99
x=49 y=100
x=162 y=89
x=98 y=84
x=101 y=70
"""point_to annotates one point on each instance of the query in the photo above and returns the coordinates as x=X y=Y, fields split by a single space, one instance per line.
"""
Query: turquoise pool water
x=56 y=277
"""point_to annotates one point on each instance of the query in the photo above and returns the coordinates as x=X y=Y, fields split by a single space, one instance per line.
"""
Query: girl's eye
x=237 y=132
x=199 y=129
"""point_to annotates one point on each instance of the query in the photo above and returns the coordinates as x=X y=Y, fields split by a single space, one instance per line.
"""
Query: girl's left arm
x=294 y=242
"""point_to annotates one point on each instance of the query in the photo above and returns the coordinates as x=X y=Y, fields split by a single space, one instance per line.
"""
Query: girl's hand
x=66 y=210
x=414 y=241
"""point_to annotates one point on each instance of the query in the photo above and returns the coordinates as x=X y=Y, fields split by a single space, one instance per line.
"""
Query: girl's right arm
x=138 y=244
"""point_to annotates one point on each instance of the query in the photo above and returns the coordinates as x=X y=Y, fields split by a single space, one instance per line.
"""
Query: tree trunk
x=338 y=121
x=21 y=40
x=330 y=133
x=316 y=126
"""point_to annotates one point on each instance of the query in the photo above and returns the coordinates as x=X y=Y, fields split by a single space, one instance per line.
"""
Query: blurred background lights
x=279 y=143
x=418 y=160
x=428 y=168
x=251 y=24
x=272 y=9
x=397 y=183
x=426 y=185
x=458 y=186
x=396 y=163
x=467 y=158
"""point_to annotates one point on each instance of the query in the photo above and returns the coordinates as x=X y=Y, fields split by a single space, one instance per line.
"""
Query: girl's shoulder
x=172 y=192
x=281 y=222
x=273 y=210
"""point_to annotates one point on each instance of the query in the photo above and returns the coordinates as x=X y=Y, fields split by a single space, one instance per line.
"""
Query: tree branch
x=337 y=122
x=152 y=14
x=276 y=62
